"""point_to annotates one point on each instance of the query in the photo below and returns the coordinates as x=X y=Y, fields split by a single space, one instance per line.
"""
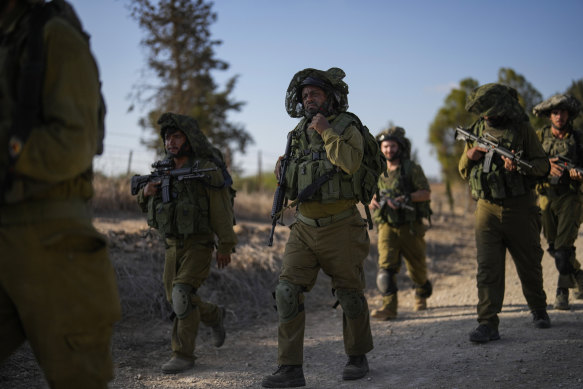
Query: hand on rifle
x=374 y=204
x=151 y=188
x=509 y=164
x=556 y=169
x=476 y=153
x=575 y=175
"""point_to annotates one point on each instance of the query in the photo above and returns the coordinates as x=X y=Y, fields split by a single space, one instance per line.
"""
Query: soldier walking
x=560 y=197
x=507 y=217
x=328 y=233
x=198 y=210
x=399 y=208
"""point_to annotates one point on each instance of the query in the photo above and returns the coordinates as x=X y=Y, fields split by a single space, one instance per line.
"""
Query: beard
x=324 y=109
x=182 y=151
x=495 y=121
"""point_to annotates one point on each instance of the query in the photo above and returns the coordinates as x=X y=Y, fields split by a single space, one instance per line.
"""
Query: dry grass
x=244 y=287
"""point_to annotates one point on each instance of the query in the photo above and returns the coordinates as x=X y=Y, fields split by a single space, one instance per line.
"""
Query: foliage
x=181 y=55
x=441 y=130
x=576 y=90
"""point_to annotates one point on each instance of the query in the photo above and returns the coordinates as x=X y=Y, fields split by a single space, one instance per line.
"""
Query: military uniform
x=401 y=235
x=57 y=285
x=328 y=233
x=198 y=211
x=560 y=198
x=507 y=216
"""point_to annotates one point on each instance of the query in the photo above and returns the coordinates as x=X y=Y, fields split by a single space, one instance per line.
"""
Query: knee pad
x=181 y=302
x=352 y=302
x=563 y=261
x=287 y=299
x=386 y=282
x=424 y=290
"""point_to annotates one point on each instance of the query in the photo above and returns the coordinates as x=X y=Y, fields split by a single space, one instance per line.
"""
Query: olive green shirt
x=345 y=151
x=61 y=147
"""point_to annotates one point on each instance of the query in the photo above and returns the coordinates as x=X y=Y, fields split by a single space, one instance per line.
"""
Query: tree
x=441 y=130
x=528 y=96
x=181 y=55
x=576 y=90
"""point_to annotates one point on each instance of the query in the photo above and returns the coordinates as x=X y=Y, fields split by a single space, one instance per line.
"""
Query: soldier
x=402 y=203
x=199 y=209
x=57 y=285
x=560 y=197
x=328 y=233
x=507 y=217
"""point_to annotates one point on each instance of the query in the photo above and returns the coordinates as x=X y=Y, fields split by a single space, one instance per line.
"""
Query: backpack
x=28 y=107
x=217 y=158
x=374 y=163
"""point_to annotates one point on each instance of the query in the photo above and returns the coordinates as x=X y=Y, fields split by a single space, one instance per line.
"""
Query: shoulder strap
x=343 y=120
x=27 y=109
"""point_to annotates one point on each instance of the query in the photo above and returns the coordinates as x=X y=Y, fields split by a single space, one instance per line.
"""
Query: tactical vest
x=309 y=163
x=398 y=183
x=566 y=147
x=498 y=183
x=187 y=213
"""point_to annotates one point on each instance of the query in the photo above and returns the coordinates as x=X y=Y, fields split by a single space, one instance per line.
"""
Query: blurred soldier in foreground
x=507 y=217
x=57 y=285
x=560 y=197
x=198 y=210
x=401 y=204
x=328 y=233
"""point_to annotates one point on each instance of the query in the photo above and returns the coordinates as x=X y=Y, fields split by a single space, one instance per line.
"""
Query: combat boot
x=356 y=367
x=219 y=332
x=541 y=319
x=562 y=299
x=389 y=309
x=420 y=303
x=286 y=376
x=177 y=364
x=579 y=281
x=484 y=333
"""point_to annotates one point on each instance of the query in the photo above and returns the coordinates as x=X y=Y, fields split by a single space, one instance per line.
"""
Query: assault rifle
x=387 y=195
x=165 y=172
x=491 y=144
x=279 y=196
x=565 y=163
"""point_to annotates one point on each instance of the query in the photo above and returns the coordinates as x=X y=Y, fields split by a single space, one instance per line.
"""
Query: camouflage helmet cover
x=329 y=80
x=396 y=134
x=189 y=126
x=561 y=101
x=495 y=100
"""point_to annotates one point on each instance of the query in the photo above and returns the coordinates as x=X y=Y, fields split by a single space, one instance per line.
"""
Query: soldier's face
x=313 y=98
x=390 y=149
x=559 y=118
x=174 y=141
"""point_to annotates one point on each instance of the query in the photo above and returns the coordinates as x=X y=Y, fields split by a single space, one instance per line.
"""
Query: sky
x=401 y=59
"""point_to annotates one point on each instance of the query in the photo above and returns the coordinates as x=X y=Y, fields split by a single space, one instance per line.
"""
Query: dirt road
x=429 y=349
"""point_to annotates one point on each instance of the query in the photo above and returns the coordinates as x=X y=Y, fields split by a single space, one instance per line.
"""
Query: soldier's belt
x=325 y=221
x=34 y=212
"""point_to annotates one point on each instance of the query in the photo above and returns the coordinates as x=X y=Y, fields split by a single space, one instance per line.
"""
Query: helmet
x=330 y=81
x=561 y=101
x=396 y=134
x=495 y=100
